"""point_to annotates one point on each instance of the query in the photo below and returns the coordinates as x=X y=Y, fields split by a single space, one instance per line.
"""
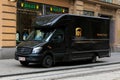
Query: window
x=89 y=13
x=39 y=35
x=109 y=1
x=58 y=36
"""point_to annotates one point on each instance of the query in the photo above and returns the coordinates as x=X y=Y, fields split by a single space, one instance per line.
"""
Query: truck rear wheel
x=24 y=63
x=47 y=61
x=93 y=59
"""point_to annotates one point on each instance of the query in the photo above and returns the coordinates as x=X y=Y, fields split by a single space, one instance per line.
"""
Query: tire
x=24 y=63
x=47 y=61
x=94 y=59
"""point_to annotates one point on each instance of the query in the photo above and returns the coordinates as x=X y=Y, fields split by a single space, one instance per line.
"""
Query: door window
x=58 y=36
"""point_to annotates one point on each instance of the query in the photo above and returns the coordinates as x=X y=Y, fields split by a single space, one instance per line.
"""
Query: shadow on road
x=63 y=64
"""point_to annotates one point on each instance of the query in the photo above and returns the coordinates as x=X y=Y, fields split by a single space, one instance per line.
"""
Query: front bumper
x=32 y=58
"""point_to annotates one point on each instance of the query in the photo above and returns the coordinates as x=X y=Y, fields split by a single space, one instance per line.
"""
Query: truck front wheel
x=47 y=61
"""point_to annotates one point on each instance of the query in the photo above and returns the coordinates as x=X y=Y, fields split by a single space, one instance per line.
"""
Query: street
x=11 y=69
x=111 y=72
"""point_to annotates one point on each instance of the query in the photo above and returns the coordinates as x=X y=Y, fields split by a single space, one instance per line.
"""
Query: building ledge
x=102 y=3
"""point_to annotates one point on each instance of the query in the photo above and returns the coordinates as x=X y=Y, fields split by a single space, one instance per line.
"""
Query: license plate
x=21 y=58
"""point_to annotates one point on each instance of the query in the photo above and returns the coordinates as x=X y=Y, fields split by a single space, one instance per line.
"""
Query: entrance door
x=24 y=23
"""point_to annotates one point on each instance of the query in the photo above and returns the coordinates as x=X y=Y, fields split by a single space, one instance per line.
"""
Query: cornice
x=104 y=4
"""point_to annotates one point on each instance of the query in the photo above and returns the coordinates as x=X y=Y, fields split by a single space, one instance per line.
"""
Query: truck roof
x=50 y=20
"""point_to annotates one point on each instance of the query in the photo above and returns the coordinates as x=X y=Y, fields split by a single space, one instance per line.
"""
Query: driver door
x=57 y=44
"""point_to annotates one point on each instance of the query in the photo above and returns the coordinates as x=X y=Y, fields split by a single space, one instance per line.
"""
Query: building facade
x=16 y=18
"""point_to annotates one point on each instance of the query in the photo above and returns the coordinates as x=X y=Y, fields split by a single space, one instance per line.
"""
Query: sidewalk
x=11 y=66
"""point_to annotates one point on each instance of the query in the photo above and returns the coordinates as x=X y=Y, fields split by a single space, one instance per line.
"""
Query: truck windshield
x=40 y=35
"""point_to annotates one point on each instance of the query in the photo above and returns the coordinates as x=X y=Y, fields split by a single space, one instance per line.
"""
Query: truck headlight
x=36 y=50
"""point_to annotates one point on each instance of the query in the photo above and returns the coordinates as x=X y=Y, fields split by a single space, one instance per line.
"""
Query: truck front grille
x=24 y=50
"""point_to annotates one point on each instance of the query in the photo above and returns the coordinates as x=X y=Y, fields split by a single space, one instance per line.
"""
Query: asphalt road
x=11 y=67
